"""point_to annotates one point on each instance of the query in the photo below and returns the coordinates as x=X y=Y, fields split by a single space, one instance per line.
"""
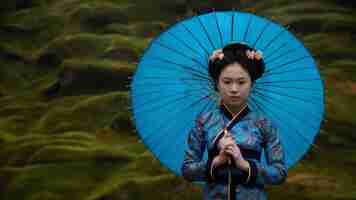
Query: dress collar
x=232 y=120
x=230 y=115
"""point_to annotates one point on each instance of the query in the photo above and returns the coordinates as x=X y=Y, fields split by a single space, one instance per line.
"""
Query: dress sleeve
x=275 y=172
x=194 y=168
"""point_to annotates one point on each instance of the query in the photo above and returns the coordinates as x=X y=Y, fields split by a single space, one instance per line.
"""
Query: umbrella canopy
x=171 y=85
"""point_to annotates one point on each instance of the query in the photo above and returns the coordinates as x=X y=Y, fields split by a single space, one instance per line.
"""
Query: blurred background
x=65 y=123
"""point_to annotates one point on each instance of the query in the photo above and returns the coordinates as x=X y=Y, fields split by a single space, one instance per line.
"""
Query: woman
x=233 y=135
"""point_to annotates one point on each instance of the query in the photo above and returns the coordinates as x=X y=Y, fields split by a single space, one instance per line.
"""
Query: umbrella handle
x=229 y=184
x=224 y=134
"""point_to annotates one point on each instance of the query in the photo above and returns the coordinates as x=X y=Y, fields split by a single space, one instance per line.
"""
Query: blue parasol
x=171 y=85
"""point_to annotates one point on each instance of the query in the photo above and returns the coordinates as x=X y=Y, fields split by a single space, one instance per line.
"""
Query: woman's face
x=234 y=85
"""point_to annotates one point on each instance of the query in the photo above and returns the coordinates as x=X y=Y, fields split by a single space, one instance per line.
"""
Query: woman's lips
x=235 y=98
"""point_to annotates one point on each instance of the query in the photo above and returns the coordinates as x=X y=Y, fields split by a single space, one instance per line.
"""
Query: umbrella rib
x=217 y=25
x=314 y=79
x=195 y=77
x=206 y=32
x=207 y=107
x=164 y=129
x=286 y=81
x=274 y=39
x=150 y=109
x=300 y=88
x=248 y=27
x=185 y=44
x=162 y=84
x=190 y=32
x=164 y=105
x=305 y=139
x=180 y=53
x=176 y=78
x=232 y=26
x=306 y=121
x=309 y=101
x=261 y=33
x=274 y=51
x=186 y=80
x=176 y=99
x=287 y=63
x=281 y=55
x=261 y=94
x=286 y=95
x=263 y=111
x=198 y=76
x=186 y=123
x=203 y=75
x=176 y=114
x=174 y=92
x=286 y=71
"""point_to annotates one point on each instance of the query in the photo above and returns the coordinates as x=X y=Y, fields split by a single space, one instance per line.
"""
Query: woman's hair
x=236 y=53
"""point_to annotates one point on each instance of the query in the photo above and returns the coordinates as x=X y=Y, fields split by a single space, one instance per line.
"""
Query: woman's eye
x=227 y=82
x=241 y=82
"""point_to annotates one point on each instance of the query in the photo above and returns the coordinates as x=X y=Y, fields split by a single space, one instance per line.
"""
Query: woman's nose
x=234 y=88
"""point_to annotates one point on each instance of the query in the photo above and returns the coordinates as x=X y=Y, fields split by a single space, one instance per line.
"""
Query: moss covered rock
x=14 y=5
x=93 y=16
x=90 y=77
x=67 y=147
x=91 y=113
x=91 y=46
x=29 y=29
x=79 y=45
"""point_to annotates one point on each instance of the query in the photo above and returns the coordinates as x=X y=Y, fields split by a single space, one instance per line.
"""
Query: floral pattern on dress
x=254 y=131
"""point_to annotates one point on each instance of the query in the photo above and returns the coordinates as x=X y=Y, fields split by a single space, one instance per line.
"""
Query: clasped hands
x=228 y=148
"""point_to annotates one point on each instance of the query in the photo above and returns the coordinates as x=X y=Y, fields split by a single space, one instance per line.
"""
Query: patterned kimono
x=252 y=132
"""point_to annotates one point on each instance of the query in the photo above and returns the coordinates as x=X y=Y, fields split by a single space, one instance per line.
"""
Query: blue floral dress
x=252 y=132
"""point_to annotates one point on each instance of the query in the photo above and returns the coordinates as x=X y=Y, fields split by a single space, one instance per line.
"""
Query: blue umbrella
x=171 y=85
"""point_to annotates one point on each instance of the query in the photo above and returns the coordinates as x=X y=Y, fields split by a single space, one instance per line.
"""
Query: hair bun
x=238 y=52
x=256 y=68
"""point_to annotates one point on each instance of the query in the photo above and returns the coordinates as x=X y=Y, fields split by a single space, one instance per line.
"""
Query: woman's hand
x=235 y=153
x=228 y=146
x=225 y=141
x=220 y=159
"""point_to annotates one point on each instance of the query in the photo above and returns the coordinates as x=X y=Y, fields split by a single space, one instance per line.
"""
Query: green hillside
x=65 y=122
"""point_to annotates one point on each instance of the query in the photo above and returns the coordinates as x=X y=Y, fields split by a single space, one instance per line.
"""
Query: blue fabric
x=171 y=85
x=255 y=132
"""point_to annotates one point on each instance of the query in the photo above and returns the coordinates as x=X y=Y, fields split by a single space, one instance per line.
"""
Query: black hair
x=236 y=53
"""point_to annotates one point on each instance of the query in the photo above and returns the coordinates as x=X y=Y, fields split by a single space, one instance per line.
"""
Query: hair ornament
x=217 y=54
x=258 y=55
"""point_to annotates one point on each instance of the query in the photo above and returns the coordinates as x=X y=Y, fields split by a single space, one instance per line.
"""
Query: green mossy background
x=65 y=123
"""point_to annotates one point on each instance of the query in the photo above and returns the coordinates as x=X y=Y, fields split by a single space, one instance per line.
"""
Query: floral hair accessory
x=218 y=53
x=254 y=54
